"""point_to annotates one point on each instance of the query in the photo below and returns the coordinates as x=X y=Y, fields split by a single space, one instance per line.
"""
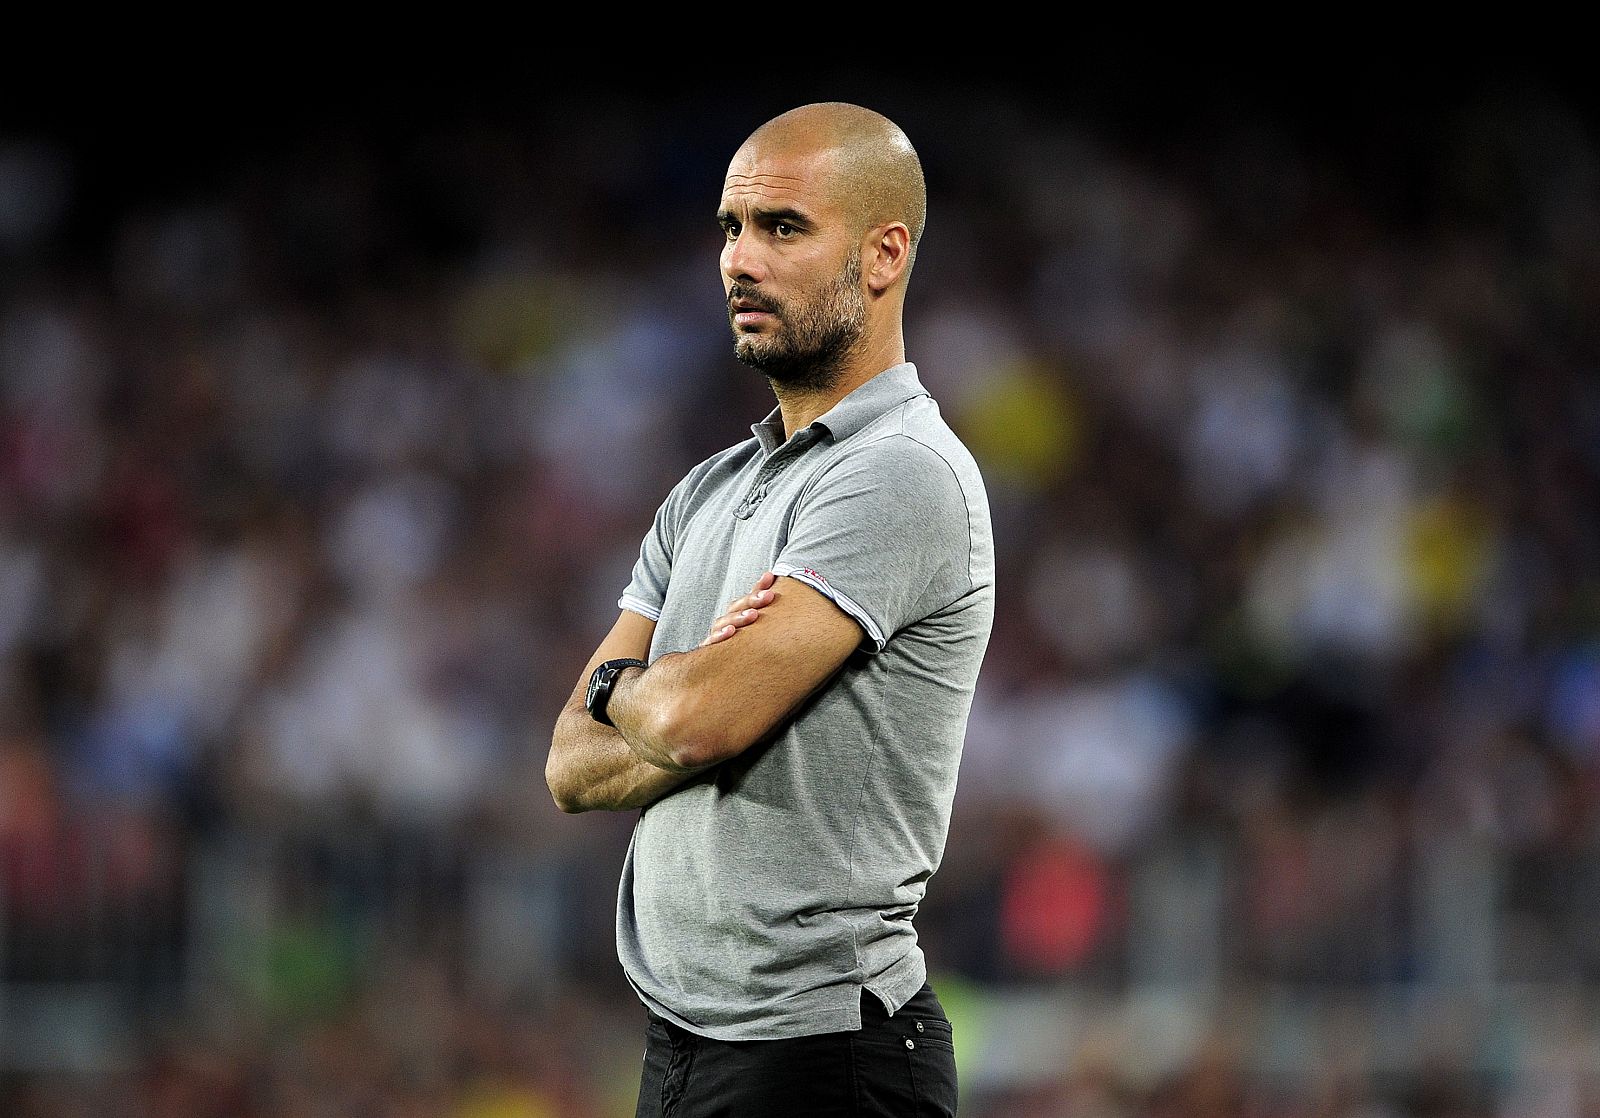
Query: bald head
x=876 y=175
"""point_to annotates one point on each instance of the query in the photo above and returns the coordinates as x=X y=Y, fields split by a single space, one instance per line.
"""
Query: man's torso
x=758 y=899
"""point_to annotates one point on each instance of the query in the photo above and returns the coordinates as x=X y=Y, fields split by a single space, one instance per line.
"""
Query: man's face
x=791 y=267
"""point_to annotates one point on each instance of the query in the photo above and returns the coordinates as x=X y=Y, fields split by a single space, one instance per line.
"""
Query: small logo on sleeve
x=816 y=574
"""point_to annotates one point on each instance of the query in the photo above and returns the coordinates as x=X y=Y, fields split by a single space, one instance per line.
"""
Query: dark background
x=334 y=408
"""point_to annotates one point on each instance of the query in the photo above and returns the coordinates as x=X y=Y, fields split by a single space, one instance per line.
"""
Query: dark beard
x=808 y=353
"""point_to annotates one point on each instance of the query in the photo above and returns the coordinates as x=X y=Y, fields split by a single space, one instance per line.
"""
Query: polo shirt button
x=919 y=1026
x=910 y=1043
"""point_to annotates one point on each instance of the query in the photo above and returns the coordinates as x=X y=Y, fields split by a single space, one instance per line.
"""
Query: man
x=796 y=763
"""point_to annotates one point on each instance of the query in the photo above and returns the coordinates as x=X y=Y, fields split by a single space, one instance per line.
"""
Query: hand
x=743 y=611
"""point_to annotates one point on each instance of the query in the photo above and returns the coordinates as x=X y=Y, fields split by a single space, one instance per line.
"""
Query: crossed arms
x=691 y=710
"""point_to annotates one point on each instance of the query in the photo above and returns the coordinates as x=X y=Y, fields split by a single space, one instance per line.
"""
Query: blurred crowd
x=322 y=468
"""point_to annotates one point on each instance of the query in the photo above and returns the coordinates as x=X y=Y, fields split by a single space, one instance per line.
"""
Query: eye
x=783 y=230
x=730 y=229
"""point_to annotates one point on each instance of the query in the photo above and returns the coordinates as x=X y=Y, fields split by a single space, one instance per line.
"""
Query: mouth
x=750 y=313
x=750 y=318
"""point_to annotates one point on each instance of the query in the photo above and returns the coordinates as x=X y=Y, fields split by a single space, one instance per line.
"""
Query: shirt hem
x=840 y=1012
x=846 y=1017
x=900 y=983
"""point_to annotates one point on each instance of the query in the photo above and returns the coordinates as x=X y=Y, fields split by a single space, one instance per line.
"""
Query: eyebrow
x=768 y=215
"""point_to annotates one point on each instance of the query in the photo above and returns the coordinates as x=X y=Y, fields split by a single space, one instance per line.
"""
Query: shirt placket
x=780 y=460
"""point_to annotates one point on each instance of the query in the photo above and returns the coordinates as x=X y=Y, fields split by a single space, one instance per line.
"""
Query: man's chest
x=723 y=545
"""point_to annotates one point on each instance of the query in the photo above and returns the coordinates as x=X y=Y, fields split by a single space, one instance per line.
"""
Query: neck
x=800 y=406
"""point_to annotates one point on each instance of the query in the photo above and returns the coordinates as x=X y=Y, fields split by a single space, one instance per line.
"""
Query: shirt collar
x=889 y=389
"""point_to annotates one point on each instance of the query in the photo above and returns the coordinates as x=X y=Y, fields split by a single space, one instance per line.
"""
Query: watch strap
x=600 y=684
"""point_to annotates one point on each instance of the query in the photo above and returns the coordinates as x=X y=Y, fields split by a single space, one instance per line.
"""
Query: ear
x=885 y=255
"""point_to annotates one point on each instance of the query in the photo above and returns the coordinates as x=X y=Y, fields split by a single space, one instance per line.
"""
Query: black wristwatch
x=600 y=686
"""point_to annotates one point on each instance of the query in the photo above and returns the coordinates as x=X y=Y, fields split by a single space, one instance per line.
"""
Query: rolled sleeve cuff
x=820 y=584
x=639 y=606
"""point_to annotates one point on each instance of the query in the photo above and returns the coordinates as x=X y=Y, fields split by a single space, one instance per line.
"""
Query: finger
x=719 y=634
x=738 y=619
x=723 y=627
x=754 y=600
x=765 y=581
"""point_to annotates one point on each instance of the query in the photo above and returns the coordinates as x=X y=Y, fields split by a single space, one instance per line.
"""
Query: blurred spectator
x=1285 y=764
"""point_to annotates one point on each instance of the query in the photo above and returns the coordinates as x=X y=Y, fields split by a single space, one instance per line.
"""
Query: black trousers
x=897 y=1067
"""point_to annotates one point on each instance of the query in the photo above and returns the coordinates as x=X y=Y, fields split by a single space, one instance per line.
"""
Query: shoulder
x=921 y=422
x=911 y=445
x=889 y=484
x=930 y=485
x=705 y=475
x=737 y=455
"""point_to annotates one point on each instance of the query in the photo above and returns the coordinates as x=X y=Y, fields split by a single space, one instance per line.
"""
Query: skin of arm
x=590 y=766
x=691 y=710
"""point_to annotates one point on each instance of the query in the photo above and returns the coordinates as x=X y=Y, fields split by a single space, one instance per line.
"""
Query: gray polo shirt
x=759 y=898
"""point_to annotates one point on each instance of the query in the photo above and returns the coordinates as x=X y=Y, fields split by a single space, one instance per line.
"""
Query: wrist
x=619 y=709
x=602 y=682
x=643 y=718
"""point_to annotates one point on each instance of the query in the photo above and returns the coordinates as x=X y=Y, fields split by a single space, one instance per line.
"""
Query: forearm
x=644 y=708
x=592 y=768
x=690 y=710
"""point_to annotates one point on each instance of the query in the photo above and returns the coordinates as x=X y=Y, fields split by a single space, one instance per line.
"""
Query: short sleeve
x=885 y=534
x=647 y=589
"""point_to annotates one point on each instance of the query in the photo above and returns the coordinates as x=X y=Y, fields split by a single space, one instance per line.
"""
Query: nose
x=741 y=259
